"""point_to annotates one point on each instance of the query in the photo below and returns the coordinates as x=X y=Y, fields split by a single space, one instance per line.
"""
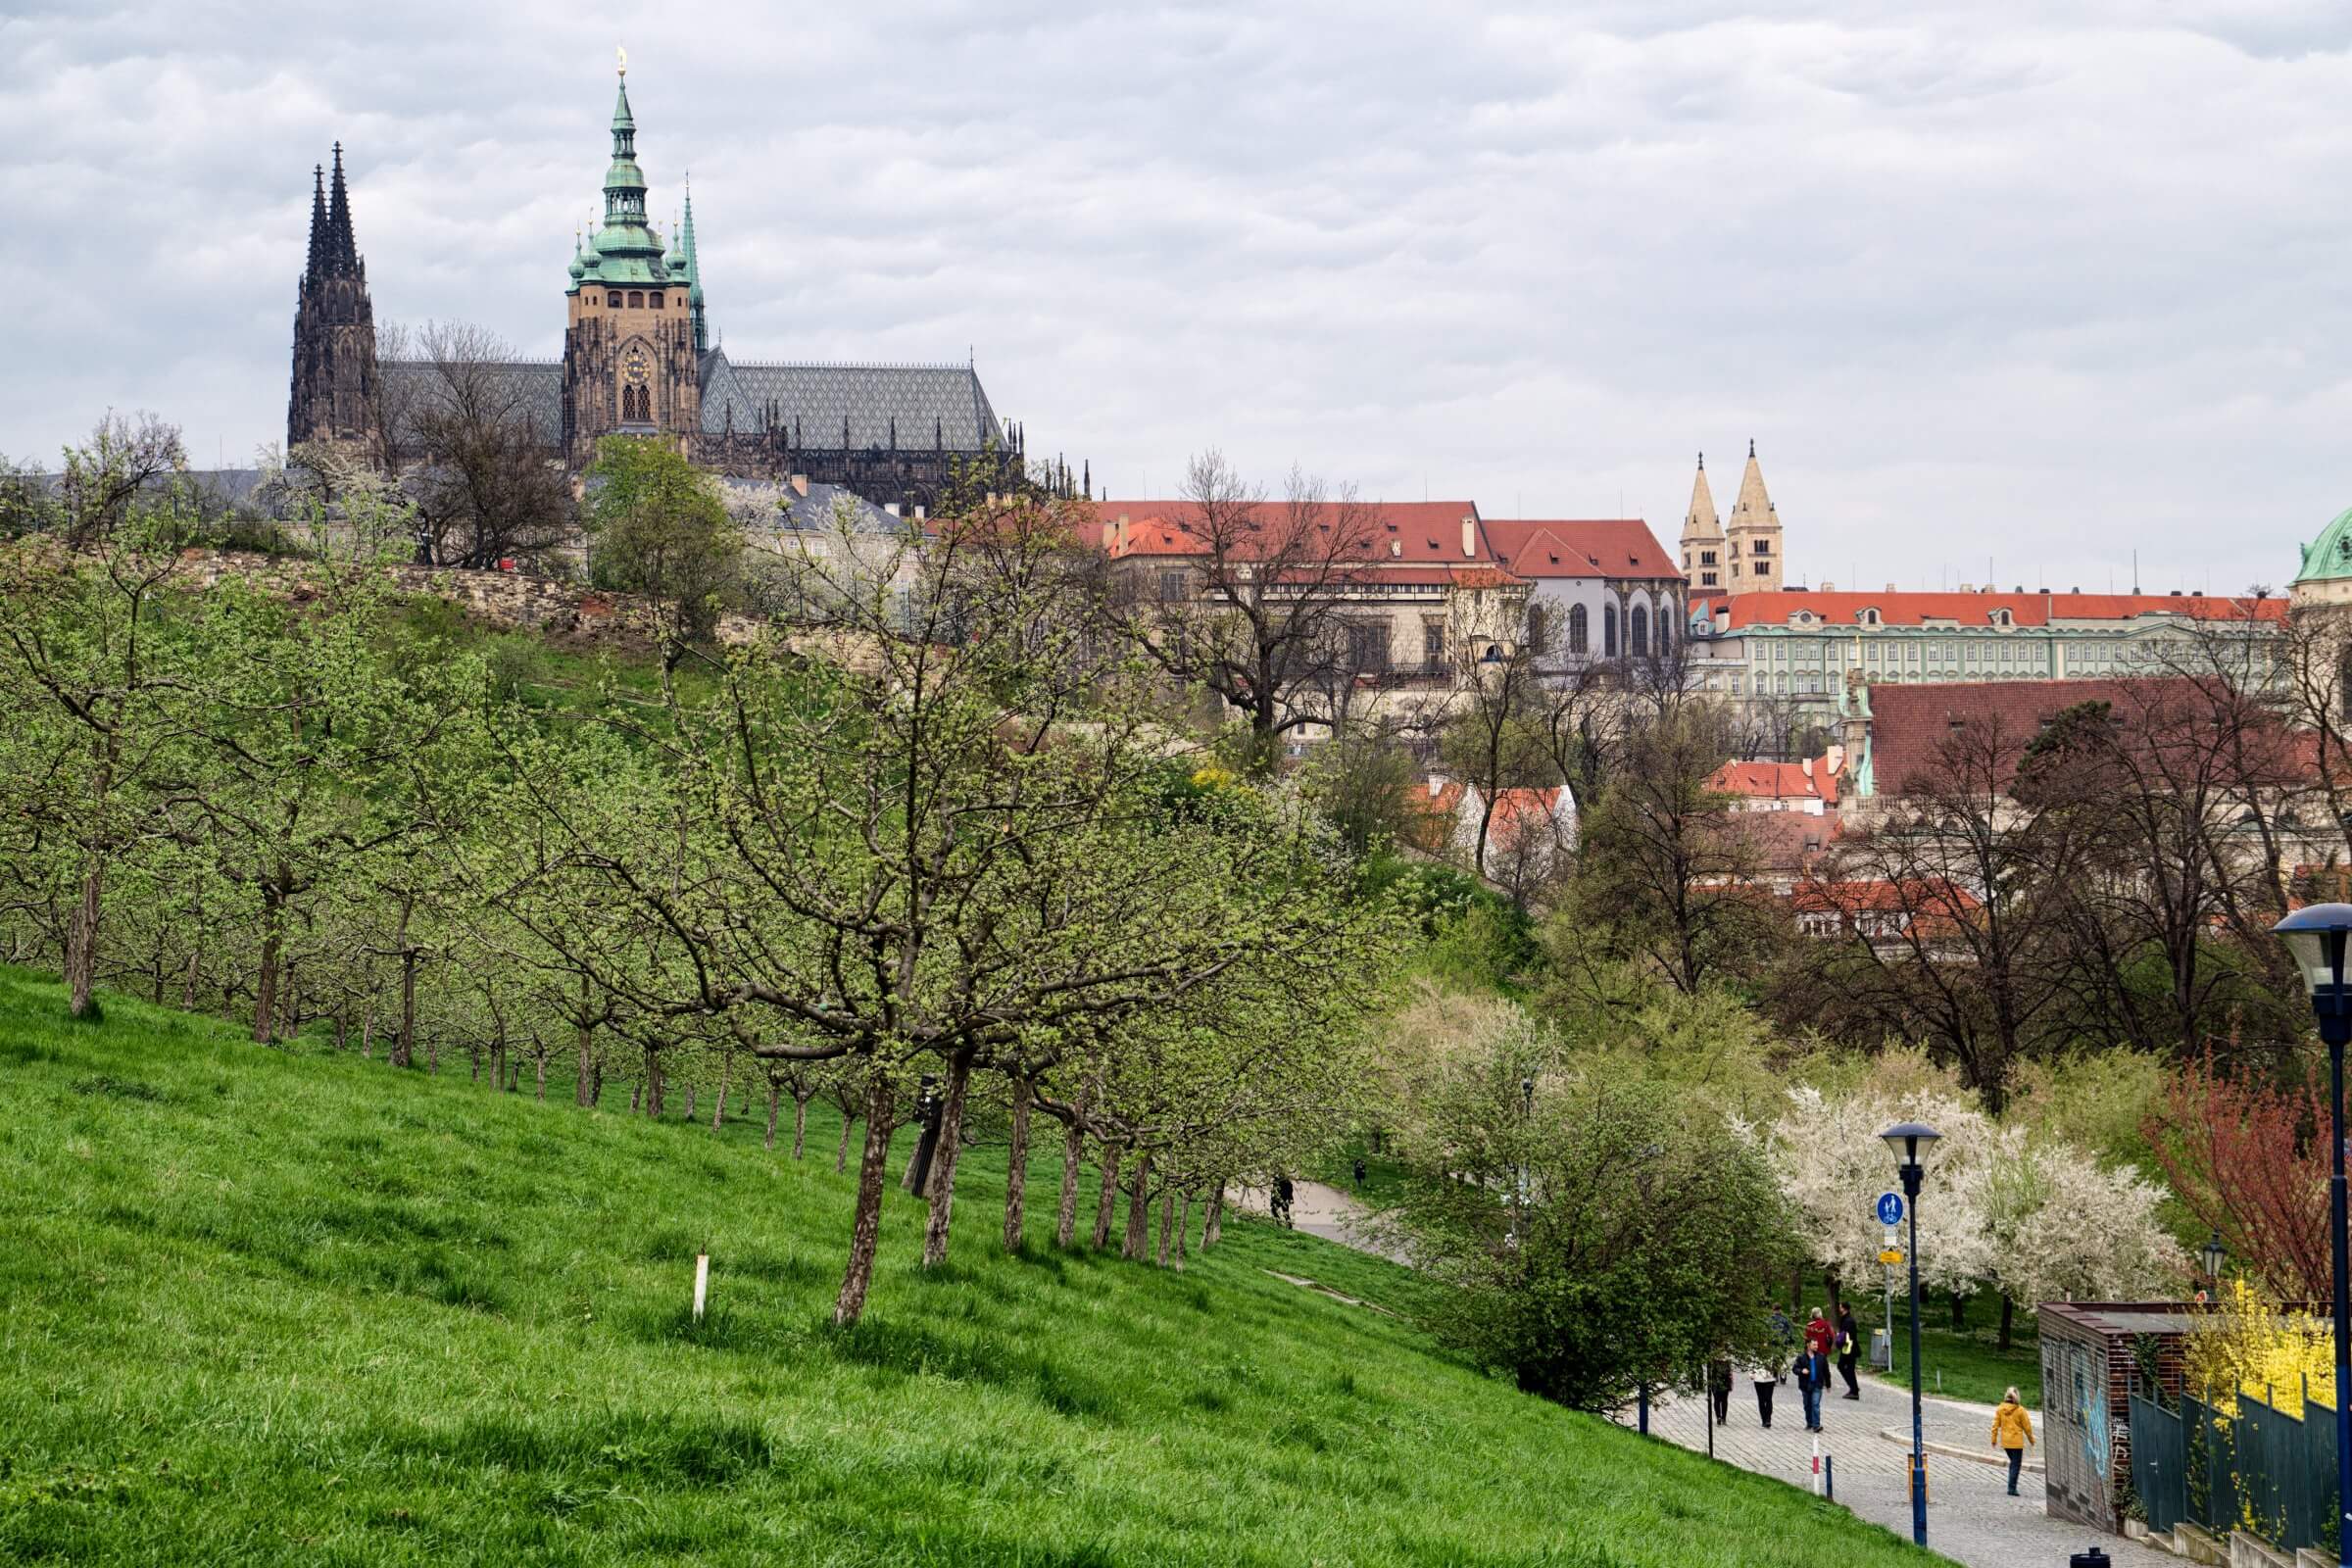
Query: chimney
x=1396 y=547
x=891 y=507
x=1891 y=588
x=1968 y=587
x=918 y=511
x=800 y=484
x=1828 y=587
x=1469 y=536
x=1122 y=526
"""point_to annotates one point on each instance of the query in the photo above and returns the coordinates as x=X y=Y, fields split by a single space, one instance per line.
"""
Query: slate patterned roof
x=535 y=386
x=927 y=401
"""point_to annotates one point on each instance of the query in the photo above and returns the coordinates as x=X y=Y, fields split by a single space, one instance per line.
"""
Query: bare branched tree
x=1256 y=609
x=460 y=423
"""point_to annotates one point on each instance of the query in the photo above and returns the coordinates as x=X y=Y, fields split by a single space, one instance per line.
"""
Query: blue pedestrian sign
x=1890 y=1208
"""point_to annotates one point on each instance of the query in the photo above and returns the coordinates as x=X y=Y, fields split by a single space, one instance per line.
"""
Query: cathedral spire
x=317 y=220
x=694 y=273
x=1755 y=534
x=342 y=247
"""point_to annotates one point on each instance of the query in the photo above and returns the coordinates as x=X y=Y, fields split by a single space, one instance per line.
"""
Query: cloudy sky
x=2006 y=286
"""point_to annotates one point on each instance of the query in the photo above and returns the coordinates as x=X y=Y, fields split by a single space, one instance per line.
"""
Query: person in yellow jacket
x=2012 y=1430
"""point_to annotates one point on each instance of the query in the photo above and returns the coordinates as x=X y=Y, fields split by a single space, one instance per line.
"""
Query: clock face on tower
x=633 y=367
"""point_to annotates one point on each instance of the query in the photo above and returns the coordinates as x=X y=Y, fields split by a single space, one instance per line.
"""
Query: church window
x=1663 y=635
x=1579 y=637
x=613 y=299
x=1608 y=632
x=1760 y=547
x=636 y=297
x=1706 y=558
x=1639 y=636
x=653 y=299
x=1706 y=579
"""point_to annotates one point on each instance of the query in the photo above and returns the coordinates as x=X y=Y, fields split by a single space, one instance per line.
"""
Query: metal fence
x=2260 y=1470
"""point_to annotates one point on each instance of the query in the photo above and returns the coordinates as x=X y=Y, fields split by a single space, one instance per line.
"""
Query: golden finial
x=624 y=59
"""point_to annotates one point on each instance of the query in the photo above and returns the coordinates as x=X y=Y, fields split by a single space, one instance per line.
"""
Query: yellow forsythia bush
x=2254 y=1347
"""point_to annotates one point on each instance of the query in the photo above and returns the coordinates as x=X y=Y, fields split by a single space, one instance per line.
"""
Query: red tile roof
x=2037 y=609
x=1808 y=781
x=1405 y=532
x=1785 y=843
x=1910 y=723
x=1609 y=548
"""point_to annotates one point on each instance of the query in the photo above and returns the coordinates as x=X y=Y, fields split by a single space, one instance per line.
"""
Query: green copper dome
x=2329 y=556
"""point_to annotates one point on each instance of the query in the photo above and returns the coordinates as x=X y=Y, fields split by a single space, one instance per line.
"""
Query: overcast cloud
x=2041 y=283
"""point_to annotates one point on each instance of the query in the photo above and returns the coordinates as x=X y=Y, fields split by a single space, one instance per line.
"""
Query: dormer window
x=1870 y=617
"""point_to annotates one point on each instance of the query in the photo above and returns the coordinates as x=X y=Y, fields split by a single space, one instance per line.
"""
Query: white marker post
x=1816 y=1467
x=702 y=1283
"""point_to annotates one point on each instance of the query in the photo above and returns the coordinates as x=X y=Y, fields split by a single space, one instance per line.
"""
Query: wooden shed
x=2093 y=1354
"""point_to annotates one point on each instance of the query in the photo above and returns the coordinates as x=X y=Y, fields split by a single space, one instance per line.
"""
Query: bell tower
x=333 y=397
x=629 y=361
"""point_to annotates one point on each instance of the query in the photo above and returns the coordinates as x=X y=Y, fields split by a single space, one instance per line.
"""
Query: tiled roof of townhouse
x=1813 y=779
x=1601 y=547
x=2037 y=608
x=1403 y=533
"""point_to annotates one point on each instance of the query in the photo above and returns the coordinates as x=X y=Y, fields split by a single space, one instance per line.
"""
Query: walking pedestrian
x=1849 y=1348
x=1813 y=1367
x=1766 y=1377
x=1282 y=1193
x=1719 y=1387
x=2012 y=1430
x=1360 y=1173
x=1783 y=1338
x=1811 y=1370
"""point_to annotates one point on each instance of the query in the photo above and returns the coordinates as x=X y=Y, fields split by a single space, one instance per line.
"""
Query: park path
x=1971 y=1517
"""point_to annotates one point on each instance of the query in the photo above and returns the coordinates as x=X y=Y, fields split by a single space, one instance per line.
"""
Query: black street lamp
x=1907 y=1140
x=2213 y=1255
x=2316 y=937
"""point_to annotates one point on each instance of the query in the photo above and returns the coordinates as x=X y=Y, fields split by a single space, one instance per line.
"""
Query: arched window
x=613 y=298
x=1608 y=632
x=1580 y=636
x=1665 y=622
x=636 y=405
x=636 y=296
x=1639 y=638
x=653 y=299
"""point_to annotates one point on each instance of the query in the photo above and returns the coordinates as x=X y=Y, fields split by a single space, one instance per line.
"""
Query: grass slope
x=290 y=1307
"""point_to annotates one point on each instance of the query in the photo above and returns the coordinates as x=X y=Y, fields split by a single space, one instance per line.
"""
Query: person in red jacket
x=1821 y=1337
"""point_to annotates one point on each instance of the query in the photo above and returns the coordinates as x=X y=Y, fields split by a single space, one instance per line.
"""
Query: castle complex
x=640 y=359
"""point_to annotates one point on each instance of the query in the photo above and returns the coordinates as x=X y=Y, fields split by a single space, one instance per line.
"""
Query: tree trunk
x=265 y=979
x=82 y=941
x=1110 y=1194
x=945 y=1148
x=690 y=1088
x=1837 y=1297
x=404 y=1048
x=1184 y=1223
x=2008 y=1319
x=636 y=1097
x=775 y=1098
x=1959 y=1312
x=718 y=1112
x=587 y=1046
x=1167 y=1223
x=1016 y=1166
x=800 y=1125
x=539 y=1066
x=341 y=1025
x=187 y=987
x=841 y=1154
x=1138 y=1209
x=866 y=1231
x=368 y=1031
x=1212 y=1225
x=1073 y=1155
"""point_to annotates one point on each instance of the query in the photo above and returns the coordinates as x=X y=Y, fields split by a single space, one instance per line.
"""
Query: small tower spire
x=317 y=220
x=343 y=250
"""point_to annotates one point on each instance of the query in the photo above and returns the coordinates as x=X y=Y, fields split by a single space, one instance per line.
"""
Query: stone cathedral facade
x=640 y=358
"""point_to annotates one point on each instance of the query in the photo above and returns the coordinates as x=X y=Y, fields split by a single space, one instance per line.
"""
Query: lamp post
x=2213 y=1255
x=1907 y=1140
x=2316 y=937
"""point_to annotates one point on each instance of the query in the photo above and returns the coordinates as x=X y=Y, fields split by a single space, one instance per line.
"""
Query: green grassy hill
x=290 y=1307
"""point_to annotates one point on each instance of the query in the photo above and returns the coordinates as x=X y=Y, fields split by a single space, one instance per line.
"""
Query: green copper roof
x=2329 y=556
x=625 y=250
